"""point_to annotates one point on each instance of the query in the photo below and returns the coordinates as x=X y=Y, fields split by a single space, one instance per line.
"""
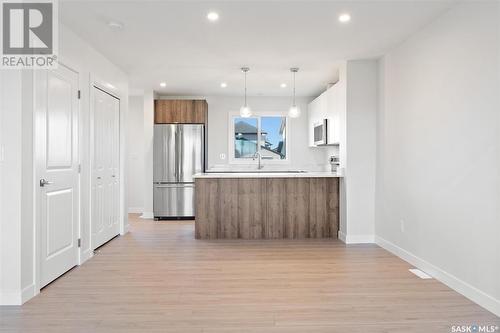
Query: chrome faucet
x=257 y=155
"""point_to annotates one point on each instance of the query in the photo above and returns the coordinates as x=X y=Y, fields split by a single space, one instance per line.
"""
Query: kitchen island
x=267 y=205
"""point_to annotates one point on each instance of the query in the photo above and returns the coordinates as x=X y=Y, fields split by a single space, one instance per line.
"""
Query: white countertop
x=263 y=174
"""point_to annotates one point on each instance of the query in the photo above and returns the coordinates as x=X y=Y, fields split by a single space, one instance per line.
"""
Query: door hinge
x=79 y=242
x=79 y=94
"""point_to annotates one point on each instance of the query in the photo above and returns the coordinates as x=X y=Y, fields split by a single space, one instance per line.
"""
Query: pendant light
x=245 y=110
x=294 y=111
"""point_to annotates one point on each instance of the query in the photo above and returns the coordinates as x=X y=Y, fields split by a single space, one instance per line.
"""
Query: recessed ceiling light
x=223 y=85
x=344 y=18
x=213 y=16
x=163 y=84
x=283 y=85
x=115 y=25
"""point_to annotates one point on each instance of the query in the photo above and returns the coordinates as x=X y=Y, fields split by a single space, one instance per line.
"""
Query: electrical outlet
x=222 y=156
x=402 y=225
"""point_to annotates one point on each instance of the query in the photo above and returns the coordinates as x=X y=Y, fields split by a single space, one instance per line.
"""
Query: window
x=266 y=135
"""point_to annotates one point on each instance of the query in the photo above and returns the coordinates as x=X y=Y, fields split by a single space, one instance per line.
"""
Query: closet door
x=106 y=166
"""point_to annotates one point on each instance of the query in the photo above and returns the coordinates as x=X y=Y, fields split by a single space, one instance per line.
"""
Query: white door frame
x=106 y=87
x=36 y=221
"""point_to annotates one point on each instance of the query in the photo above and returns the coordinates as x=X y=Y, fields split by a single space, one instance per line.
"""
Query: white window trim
x=249 y=161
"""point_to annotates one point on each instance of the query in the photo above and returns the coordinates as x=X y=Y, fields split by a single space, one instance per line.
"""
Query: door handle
x=44 y=182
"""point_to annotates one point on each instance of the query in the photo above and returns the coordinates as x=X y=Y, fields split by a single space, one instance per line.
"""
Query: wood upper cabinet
x=182 y=111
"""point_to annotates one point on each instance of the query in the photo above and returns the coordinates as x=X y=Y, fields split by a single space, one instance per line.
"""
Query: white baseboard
x=17 y=297
x=126 y=229
x=486 y=301
x=147 y=215
x=135 y=210
x=28 y=293
x=86 y=255
x=356 y=239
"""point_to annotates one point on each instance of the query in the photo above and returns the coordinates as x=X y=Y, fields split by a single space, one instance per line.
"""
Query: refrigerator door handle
x=176 y=163
x=178 y=152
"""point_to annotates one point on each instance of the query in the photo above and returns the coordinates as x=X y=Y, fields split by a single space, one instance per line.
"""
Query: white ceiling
x=172 y=41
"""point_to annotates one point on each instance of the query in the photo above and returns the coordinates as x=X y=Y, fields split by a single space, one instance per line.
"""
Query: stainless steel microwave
x=320 y=132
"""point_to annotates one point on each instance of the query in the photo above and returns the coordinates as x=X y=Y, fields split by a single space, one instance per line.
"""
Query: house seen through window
x=264 y=134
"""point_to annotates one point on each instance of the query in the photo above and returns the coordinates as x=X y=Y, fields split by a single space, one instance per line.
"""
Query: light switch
x=222 y=156
x=2 y=157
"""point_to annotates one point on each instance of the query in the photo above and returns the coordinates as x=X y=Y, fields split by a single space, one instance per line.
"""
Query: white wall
x=28 y=185
x=10 y=190
x=135 y=158
x=358 y=185
x=147 y=186
x=301 y=156
x=439 y=148
x=18 y=275
x=16 y=190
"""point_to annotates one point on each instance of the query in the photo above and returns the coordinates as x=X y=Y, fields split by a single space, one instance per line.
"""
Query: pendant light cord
x=294 y=88
x=245 y=88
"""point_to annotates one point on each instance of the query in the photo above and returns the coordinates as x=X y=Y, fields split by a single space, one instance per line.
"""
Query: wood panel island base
x=266 y=207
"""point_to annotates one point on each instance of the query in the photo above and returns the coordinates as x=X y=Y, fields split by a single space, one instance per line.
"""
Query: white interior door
x=56 y=103
x=105 y=169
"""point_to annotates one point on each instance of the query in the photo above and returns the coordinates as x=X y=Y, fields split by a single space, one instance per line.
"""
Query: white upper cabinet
x=314 y=116
x=326 y=106
x=333 y=115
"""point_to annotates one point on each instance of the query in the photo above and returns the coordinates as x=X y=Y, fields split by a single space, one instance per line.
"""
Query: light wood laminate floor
x=158 y=278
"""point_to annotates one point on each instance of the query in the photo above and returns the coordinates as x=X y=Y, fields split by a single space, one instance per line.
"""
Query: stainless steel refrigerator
x=178 y=155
